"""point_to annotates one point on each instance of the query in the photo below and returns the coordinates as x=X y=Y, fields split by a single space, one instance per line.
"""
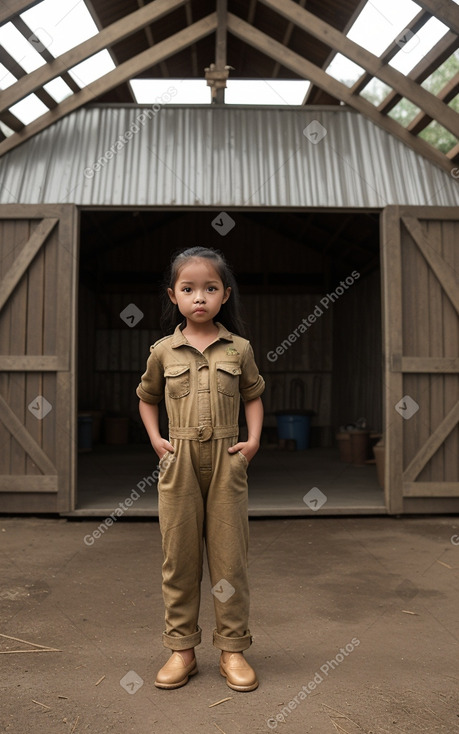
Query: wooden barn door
x=38 y=268
x=420 y=264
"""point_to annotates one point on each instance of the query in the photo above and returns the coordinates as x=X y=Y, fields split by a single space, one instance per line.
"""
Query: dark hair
x=230 y=312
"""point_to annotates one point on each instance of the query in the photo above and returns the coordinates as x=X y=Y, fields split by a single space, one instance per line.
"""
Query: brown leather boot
x=240 y=676
x=175 y=673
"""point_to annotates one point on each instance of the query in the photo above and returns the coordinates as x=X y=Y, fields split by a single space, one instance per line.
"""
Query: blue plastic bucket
x=297 y=427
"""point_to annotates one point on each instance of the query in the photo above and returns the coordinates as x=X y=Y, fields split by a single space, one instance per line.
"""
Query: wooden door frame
x=400 y=483
x=63 y=482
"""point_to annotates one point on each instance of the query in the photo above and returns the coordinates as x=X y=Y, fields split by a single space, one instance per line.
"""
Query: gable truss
x=295 y=17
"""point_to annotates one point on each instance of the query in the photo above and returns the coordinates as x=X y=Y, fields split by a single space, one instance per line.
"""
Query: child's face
x=198 y=291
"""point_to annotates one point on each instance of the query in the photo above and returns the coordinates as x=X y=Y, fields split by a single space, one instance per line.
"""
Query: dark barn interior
x=288 y=264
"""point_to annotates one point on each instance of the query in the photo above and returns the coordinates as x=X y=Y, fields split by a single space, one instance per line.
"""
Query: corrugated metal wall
x=208 y=156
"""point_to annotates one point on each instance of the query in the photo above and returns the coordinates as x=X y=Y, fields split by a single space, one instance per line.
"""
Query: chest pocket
x=177 y=380
x=228 y=378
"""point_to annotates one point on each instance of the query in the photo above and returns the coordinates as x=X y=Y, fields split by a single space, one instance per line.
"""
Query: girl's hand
x=161 y=446
x=248 y=448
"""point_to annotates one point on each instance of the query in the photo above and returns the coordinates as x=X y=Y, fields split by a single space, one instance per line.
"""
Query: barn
x=341 y=224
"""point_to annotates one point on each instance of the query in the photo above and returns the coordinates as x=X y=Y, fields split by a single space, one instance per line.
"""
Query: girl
x=202 y=369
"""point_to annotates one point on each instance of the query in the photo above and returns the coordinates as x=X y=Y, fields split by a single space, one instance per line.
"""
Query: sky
x=58 y=25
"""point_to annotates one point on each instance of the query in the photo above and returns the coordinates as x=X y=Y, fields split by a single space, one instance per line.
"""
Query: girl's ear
x=171 y=295
x=227 y=294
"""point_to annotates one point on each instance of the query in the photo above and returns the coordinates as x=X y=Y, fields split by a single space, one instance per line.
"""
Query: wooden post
x=220 y=48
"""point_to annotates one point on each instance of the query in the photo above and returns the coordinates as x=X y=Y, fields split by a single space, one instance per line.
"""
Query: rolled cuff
x=182 y=642
x=254 y=391
x=147 y=397
x=232 y=644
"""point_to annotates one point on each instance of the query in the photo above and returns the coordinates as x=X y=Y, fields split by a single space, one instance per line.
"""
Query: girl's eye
x=187 y=289
x=211 y=288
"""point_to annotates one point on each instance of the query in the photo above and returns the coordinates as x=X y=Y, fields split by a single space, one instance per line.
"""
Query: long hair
x=230 y=312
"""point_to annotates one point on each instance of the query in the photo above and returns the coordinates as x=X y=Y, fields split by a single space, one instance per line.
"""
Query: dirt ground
x=355 y=626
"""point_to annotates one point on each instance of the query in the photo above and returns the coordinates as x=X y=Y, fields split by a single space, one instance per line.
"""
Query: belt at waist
x=203 y=433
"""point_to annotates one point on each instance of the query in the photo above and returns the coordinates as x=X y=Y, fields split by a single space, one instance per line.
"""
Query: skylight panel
x=344 y=70
x=20 y=49
x=60 y=24
x=418 y=45
x=28 y=109
x=238 y=91
x=58 y=89
x=6 y=78
x=171 y=91
x=93 y=68
x=380 y=22
x=266 y=91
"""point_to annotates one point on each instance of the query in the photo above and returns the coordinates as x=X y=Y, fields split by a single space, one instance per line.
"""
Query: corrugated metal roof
x=220 y=156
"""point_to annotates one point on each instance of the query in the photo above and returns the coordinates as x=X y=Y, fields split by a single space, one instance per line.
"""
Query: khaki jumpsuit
x=203 y=491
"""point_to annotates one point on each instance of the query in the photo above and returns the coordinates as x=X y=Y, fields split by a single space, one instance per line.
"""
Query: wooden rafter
x=143 y=61
x=310 y=23
x=95 y=16
x=106 y=37
x=220 y=45
x=358 y=9
x=286 y=39
x=307 y=70
x=435 y=58
x=151 y=42
x=445 y=10
x=446 y=94
x=10 y=8
x=392 y=50
x=193 y=49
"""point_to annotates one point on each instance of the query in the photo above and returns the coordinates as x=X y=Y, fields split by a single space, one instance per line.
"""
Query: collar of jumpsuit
x=179 y=338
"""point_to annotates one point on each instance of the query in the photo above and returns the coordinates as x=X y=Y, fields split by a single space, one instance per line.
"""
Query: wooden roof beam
x=193 y=48
x=313 y=73
x=106 y=37
x=286 y=40
x=444 y=10
x=448 y=93
x=355 y=14
x=392 y=50
x=8 y=117
x=95 y=16
x=435 y=58
x=220 y=47
x=453 y=154
x=151 y=42
x=310 y=23
x=10 y=8
x=125 y=71
x=27 y=32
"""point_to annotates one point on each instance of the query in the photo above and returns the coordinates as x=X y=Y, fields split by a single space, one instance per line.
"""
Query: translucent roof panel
x=238 y=91
x=380 y=22
x=6 y=78
x=58 y=89
x=28 y=109
x=20 y=48
x=344 y=70
x=60 y=24
x=413 y=47
x=92 y=69
x=266 y=91
x=170 y=91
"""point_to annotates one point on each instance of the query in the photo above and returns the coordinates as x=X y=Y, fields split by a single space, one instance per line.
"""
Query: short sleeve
x=251 y=383
x=151 y=386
